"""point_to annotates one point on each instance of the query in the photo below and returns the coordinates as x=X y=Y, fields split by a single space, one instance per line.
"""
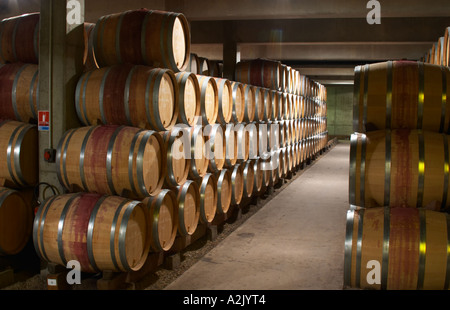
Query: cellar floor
x=294 y=242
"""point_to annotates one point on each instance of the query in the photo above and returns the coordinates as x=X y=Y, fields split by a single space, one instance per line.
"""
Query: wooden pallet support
x=130 y=280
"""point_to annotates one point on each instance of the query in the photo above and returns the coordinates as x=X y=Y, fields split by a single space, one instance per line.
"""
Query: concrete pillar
x=61 y=46
x=231 y=53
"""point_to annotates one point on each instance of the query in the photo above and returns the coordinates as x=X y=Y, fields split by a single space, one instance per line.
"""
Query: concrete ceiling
x=323 y=39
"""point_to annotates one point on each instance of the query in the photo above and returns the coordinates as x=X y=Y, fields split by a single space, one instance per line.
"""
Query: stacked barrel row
x=397 y=227
x=204 y=66
x=439 y=52
x=296 y=91
x=128 y=190
x=19 y=105
x=116 y=208
x=18 y=135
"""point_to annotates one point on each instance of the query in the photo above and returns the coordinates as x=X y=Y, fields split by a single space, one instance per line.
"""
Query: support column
x=231 y=56
x=61 y=49
x=231 y=53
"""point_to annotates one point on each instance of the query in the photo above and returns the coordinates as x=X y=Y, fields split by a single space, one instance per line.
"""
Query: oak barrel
x=19 y=92
x=132 y=95
x=215 y=147
x=225 y=95
x=249 y=178
x=19 y=163
x=198 y=154
x=275 y=101
x=178 y=160
x=114 y=160
x=19 y=39
x=188 y=211
x=163 y=219
x=259 y=72
x=447 y=47
x=89 y=61
x=237 y=184
x=402 y=167
x=260 y=104
x=259 y=174
x=224 y=191
x=100 y=232
x=194 y=65
x=209 y=99
x=250 y=101
x=208 y=197
x=16 y=222
x=231 y=145
x=401 y=94
x=143 y=37
x=188 y=98
x=402 y=248
x=238 y=102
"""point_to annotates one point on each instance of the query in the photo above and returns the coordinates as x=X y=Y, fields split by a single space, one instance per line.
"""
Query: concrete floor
x=295 y=242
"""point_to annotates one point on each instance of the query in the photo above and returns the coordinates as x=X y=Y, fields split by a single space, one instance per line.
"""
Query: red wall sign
x=43 y=120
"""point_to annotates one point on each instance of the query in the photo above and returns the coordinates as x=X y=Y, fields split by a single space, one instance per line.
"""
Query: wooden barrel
x=19 y=165
x=275 y=101
x=259 y=72
x=143 y=37
x=178 y=160
x=447 y=47
x=401 y=94
x=188 y=98
x=194 y=65
x=406 y=247
x=19 y=39
x=188 y=207
x=225 y=95
x=215 y=147
x=238 y=102
x=209 y=99
x=267 y=115
x=204 y=66
x=263 y=140
x=224 y=191
x=19 y=92
x=231 y=145
x=237 y=184
x=249 y=178
x=113 y=160
x=289 y=158
x=137 y=96
x=208 y=197
x=199 y=160
x=100 y=232
x=434 y=53
x=283 y=162
x=253 y=139
x=258 y=181
x=16 y=222
x=243 y=142
x=163 y=220
x=250 y=100
x=273 y=136
x=89 y=60
x=272 y=164
x=407 y=168
x=260 y=104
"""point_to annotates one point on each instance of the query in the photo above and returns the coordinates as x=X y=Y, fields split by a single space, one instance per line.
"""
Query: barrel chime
x=397 y=227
